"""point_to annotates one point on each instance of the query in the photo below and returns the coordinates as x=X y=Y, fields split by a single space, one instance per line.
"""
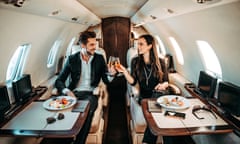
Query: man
x=85 y=68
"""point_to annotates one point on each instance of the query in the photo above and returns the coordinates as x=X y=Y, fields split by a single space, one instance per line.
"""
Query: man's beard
x=88 y=53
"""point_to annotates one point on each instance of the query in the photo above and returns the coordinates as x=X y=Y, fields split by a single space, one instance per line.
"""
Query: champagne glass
x=117 y=65
x=111 y=63
x=117 y=62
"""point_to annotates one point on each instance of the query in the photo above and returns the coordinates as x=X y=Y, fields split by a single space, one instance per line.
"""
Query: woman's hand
x=161 y=86
x=120 y=68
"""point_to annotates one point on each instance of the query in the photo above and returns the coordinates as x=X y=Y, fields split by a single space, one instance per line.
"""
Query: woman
x=150 y=72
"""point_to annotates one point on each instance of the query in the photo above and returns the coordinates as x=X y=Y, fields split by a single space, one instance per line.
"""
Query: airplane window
x=160 y=46
x=52 y=53
x=210 y=59
x=178 y=50
x=70 y=47
x=17 y=62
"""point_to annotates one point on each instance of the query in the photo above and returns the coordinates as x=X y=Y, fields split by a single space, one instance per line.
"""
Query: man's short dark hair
x=84 y=36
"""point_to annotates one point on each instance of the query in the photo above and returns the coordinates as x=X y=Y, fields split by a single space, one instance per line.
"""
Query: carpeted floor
x=117 y=127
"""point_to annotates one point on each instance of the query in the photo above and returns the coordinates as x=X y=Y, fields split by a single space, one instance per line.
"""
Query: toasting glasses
x=113 y=62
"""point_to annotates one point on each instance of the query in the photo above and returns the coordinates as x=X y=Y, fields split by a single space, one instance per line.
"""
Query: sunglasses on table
x=52 y=119
x=205 y=108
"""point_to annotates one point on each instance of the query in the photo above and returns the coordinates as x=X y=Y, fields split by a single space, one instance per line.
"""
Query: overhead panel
x=113 y=8
x=67 y=10
x=155 y=10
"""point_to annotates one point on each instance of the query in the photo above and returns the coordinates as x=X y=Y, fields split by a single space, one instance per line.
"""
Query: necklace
x=147 y=76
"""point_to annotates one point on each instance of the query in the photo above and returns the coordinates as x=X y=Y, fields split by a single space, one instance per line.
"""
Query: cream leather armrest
x=100 y=90
x=176 y=90
x=133 y=90
x=137 y=116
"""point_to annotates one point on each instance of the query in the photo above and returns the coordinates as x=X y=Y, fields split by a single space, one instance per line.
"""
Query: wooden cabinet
x=116 y=34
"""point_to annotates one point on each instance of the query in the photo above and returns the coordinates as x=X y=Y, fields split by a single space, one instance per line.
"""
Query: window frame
x=17 y=62
x=53 y=53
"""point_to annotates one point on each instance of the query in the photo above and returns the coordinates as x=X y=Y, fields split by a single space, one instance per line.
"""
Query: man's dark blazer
x=73 y=67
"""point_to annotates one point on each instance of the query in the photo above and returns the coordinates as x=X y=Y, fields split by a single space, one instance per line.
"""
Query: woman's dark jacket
x=146 y=90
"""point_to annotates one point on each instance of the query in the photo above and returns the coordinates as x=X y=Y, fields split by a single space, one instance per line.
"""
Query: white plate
x=169 y=102
x=55 y=103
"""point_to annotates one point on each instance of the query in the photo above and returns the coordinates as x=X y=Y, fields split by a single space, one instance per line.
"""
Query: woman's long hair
x=154 y=60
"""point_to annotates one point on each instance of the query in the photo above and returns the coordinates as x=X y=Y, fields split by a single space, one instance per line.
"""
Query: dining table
x=167 y=120
x=36 y=120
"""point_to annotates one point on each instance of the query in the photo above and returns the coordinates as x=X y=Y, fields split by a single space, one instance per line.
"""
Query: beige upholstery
x=96 y=131
x=138 y=136
x=75 y=49
x=179 y=81
x=96 y=138
x=97 y=117
x=131 y=53
x=102 y=52
x=102 y=87
x=138 y=120
x=50 y=85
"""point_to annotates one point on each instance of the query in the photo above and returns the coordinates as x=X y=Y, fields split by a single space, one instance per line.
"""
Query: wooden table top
x=26 y=123
x=170 y=130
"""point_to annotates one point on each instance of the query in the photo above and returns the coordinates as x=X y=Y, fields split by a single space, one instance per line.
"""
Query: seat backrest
x=131 y=53
x=75 y=49
x=102 y=52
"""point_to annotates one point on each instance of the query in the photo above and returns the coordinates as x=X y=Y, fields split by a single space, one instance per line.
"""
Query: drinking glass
x=117 y=62
x=111 y=63
x=117 y=65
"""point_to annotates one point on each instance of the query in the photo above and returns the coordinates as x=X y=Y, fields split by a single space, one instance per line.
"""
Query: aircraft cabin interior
x=195 y=49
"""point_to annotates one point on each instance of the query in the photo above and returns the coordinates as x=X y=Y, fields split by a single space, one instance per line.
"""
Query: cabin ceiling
x=90 y=12
x=110 y=8
x=155 y=10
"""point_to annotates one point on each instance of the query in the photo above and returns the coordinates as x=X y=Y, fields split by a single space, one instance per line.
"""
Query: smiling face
x=143 y=47
x=90 y=46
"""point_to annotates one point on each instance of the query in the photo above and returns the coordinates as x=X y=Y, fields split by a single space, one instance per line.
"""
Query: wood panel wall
x=116 y=36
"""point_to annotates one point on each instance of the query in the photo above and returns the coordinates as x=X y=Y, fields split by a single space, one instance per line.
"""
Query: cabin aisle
x=117 y=127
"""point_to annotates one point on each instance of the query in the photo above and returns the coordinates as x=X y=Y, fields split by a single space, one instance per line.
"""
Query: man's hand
x=70 y=93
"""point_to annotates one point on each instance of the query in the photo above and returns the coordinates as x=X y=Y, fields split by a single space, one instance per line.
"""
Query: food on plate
x=59 y=102
x=176 y=101
x=166 y=101
x=64 y=101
